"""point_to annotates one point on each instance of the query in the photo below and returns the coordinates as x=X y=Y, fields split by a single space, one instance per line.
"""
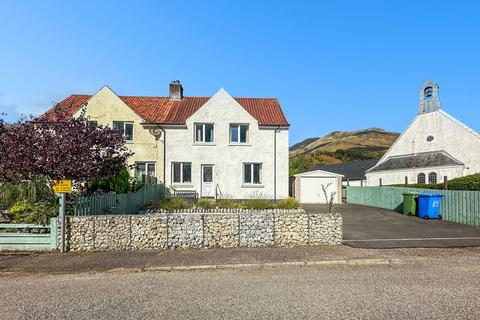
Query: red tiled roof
x=162 y=110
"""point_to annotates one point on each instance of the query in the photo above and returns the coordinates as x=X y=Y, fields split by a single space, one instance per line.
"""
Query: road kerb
x=326 y=262
x=245 y=266
x=352 y=262
x=368 y=262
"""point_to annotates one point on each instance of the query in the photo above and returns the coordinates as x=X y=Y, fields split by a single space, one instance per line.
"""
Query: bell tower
x=429 y=98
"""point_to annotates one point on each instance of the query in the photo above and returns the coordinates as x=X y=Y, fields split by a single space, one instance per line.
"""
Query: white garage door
x=311 y=189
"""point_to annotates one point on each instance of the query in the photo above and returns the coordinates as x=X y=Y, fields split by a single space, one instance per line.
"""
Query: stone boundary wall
x=179 y=230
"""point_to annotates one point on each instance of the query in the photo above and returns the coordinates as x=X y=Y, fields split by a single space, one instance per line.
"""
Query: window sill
x=240 y=144
x=129 y=142
x=253 y=186
x=183 y=186
x=204 y=144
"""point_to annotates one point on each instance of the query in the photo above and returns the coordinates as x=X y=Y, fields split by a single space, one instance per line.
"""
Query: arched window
x=432 y=178
x=421 y=178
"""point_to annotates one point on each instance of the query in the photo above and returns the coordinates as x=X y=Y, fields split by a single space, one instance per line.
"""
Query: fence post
x=53 y=233
x=445 y=183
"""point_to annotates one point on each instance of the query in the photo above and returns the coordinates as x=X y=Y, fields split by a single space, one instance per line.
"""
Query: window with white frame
x=239 y=133
x=144 y=169
x=182 y=172
x=125 y=128
x=252 y=173
x=204 y=132
x=421 y=178
x=432 y=178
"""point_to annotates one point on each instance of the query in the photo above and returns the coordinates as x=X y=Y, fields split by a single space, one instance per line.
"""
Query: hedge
x=467 y=183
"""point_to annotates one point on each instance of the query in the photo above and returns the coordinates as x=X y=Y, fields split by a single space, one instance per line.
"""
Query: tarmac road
x=442 y=287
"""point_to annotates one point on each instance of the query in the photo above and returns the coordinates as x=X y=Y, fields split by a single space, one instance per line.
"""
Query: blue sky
x=342 y=65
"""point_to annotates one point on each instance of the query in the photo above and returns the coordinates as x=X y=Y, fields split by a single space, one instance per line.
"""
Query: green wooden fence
x=18 y=237
x=125 y=203
x=457 y=206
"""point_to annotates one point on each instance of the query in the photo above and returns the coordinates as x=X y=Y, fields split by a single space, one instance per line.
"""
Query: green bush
x=229 y=204
x=471 y=183
x=467 y=183
x=119 y=183
x=32 y=190
x=205 y=204
x=258 y=204
x=288 y=203
x=419 y=186
x=172 y=204
x=25 y=211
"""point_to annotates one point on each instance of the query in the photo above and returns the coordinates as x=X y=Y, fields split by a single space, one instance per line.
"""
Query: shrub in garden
x=288 y=203
x=28 y=212
x=172 y=204
x=30 y=190
x=205 y=204
x=258 y=204
x=118 y=183
x=229 y=204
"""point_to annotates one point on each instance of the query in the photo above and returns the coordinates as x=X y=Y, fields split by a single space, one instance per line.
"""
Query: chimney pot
x=176 y=90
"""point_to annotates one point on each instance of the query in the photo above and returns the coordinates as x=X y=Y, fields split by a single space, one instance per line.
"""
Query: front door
x=208 y=186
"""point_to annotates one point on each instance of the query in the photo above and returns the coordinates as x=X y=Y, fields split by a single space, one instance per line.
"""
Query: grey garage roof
x=354 y=170
x=417 y=160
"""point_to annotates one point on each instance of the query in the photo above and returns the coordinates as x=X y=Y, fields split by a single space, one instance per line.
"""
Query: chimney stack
x=176 y=90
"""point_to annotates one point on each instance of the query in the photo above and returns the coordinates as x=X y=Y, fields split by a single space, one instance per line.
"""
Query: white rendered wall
x=228 y=158
x=398 y=176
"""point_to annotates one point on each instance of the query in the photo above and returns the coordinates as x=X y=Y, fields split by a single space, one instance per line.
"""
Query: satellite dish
x=156 y=132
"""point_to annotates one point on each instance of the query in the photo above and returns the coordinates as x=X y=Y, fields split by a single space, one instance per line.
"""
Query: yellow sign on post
x=62 y=186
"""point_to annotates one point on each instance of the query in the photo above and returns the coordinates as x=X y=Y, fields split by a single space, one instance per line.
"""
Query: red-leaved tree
x=67 y=148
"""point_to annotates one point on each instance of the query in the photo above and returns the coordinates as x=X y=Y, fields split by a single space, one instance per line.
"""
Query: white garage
x=308 y=186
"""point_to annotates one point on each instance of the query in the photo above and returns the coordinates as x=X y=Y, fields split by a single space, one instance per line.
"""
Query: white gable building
x=434 y=147
x=223 y=151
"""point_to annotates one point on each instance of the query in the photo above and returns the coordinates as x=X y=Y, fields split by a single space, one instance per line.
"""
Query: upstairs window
x=239 y=133
x=125 y=128
x=432 y=178
x=252 y=173
x=182 y=172
x=204 y=132
x=421 y=178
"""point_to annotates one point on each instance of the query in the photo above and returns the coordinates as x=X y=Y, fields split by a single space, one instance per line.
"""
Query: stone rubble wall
x=180 y=230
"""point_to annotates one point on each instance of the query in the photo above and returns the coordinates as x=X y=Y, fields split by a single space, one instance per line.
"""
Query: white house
x=229 y=147
x=434 y=147
x=217 y=146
